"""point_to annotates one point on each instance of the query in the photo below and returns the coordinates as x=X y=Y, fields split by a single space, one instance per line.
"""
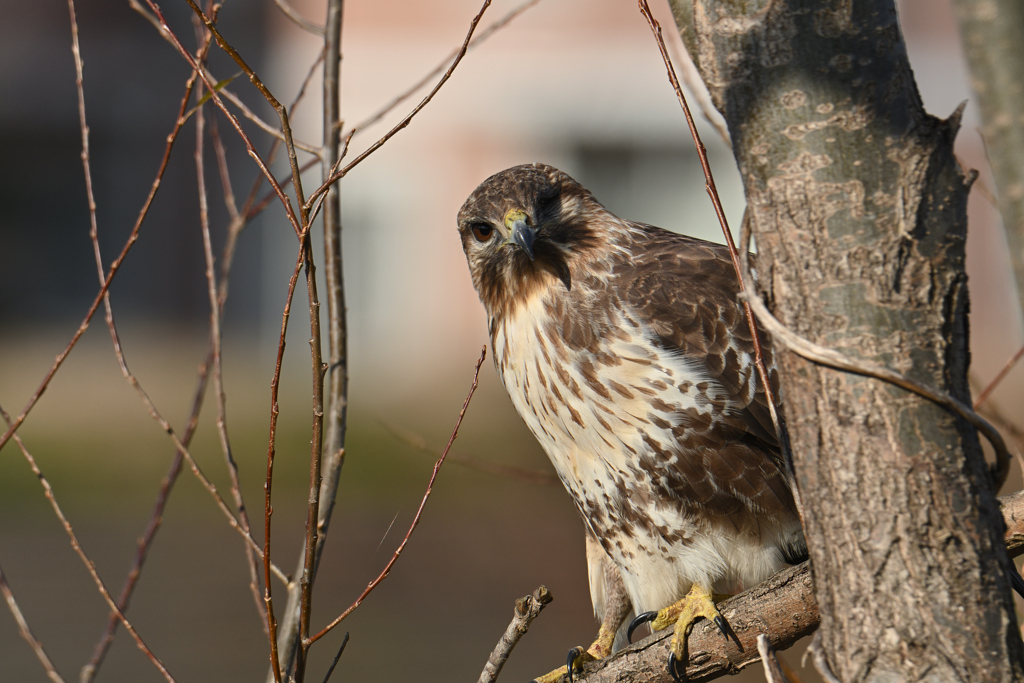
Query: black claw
x=1017 y=582
x=571 y=660
x=645 y=618
x=722 y=626
x=672 y=667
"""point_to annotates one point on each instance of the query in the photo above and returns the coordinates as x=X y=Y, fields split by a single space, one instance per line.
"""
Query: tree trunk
x=859 y=212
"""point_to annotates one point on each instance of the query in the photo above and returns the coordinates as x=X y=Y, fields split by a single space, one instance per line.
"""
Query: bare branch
x=26 y=632
x=337 y=657
x=527 y=609
x=271 y=452
x=282 y=113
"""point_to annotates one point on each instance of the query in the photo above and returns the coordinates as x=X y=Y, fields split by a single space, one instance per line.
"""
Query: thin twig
x=228 y=191
x=77 y=547
x=335 y=177
x=254 y=117
x=26 y=632
x=987 y=391
x=337 y=657
x=712 y=190
x=268 y=510
x=691 y=77
x=298 y=19
x=416 y=520
x=252 y=208
x=527 y=609
x=508 y=471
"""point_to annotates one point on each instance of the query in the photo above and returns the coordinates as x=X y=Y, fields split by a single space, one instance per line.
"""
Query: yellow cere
x=513 y=215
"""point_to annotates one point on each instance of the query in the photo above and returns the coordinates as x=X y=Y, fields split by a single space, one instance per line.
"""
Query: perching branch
x=783 y=608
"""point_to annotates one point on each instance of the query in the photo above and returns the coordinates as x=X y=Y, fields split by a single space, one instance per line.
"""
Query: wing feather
x=684 y=290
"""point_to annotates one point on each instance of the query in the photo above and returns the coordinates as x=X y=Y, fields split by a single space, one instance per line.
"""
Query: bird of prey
x=625 y=351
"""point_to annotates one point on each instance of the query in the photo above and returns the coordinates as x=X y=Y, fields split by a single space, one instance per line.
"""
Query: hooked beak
x=520 y=231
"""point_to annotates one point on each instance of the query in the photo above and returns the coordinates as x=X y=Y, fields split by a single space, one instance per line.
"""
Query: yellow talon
x=599 y=649
x=699 y=602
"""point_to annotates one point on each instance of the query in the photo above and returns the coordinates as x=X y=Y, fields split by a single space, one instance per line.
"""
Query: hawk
x=625 y=351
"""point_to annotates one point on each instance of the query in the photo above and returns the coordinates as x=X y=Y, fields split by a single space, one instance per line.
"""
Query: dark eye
x=482 y=232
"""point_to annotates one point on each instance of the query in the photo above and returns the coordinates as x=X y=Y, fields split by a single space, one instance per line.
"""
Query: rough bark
x=991 y=32
x=859 y=212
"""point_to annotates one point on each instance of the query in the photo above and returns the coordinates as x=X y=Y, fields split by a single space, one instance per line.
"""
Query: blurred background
x=575 y=83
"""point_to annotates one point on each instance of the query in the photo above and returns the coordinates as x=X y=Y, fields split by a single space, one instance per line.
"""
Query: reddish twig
x=77 y=547
x=338 y=175
x=271 y=445
x=987 y=391
x=315 y=462
x=712 y=190
x=26 y=632
x=416 y=520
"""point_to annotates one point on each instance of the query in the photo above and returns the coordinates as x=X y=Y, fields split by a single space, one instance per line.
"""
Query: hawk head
x=524 y=229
